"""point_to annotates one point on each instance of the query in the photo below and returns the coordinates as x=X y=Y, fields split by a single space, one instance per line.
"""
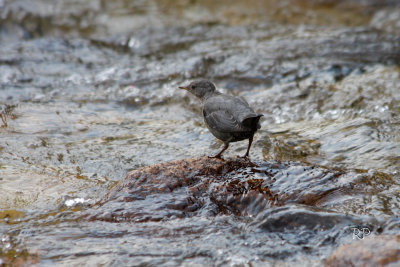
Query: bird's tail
x=253 y=122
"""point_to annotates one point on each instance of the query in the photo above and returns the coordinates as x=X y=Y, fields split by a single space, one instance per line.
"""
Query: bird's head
x=201 y=89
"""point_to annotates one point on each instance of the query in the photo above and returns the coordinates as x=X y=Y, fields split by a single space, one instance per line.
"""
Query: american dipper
x=229 y=118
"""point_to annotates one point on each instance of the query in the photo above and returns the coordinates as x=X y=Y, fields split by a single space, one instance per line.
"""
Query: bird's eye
x=192 y=87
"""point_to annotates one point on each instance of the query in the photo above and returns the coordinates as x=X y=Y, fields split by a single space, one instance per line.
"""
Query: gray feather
x=229 y=114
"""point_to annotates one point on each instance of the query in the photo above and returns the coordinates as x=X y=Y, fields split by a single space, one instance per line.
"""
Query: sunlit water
x=92 y=93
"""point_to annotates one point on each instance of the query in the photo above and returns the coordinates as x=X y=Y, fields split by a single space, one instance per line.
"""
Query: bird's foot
x=215 y=157
x=248 y=160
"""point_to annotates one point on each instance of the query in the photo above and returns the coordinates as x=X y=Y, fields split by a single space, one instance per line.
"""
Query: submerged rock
x=236 y=186
x=372 y=251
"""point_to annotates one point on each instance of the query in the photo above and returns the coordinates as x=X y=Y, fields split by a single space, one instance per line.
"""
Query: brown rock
x=183 y=187
x=167 y=176
x=187 y=187
x=371 y=251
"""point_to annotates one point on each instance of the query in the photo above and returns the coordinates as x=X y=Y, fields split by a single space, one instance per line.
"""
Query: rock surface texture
x=372 y=251
x=236 y=186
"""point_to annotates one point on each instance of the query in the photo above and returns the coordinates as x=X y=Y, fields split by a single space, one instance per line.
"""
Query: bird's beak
x=184 y=87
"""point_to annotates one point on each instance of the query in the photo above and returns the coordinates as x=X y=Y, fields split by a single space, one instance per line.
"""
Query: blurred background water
x=88 y=92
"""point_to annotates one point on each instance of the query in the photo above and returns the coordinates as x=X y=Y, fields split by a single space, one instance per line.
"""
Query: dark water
x=88 y=92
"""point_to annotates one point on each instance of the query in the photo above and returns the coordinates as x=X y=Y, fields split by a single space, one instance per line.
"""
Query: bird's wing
x=229 y=114
x=222 y=121
x=220 y=113
x=243 y=110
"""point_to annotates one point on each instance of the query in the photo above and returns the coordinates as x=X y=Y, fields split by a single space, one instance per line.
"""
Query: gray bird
x=229 y=118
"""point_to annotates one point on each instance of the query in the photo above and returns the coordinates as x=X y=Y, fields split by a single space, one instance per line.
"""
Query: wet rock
x=13 y=254
x=294 y=217
x=236 y=186
x=168 y=176
x=372 y=251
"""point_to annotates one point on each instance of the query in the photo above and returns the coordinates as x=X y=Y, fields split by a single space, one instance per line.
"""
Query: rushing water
x=88 y=92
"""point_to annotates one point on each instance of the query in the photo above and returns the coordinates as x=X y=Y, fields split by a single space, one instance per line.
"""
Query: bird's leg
x=218 y=156
x=248 y=148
